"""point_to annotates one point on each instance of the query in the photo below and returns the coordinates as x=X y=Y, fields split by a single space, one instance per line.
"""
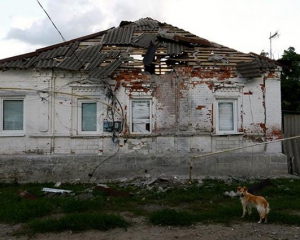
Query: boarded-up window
x=140 y=116
x=13 y=114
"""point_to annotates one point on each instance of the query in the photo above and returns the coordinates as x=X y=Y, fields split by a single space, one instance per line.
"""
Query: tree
x=290 y=80
x=263 y=53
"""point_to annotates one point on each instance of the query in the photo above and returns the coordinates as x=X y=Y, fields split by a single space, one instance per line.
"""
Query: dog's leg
x=259 y=219
x=249 y=209
x=266 y=215
x=262 y=212
x=244 y=211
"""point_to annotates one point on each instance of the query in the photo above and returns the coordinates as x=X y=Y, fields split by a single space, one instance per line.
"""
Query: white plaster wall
x=253 y=107
x=273 y=114
x=51 y=125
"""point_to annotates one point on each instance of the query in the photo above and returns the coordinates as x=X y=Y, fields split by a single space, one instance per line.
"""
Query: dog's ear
x=239 y=188
x=245 y=188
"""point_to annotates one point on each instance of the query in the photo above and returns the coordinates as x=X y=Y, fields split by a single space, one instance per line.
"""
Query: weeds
x=167 y=217
x=178 y=206
x=77 y=222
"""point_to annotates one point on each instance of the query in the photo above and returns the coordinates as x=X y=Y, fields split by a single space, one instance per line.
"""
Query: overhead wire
x=111 y=95
x=51 y=21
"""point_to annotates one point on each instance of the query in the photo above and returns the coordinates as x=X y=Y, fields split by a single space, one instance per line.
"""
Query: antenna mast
x=271 y=37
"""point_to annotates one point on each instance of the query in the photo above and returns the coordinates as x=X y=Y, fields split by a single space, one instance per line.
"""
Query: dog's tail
x=267 y=209
x=263 y=209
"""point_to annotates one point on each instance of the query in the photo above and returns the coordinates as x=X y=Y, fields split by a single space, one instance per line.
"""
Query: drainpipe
x=265 y=110
x=52 y=112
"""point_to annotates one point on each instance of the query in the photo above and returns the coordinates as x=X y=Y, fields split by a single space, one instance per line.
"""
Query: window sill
x=228 y=133
x=12 y=134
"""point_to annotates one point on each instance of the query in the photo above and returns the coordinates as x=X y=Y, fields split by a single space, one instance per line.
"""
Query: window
x=88 y=115
x=226 y=116
x=140 y=116
x=12 y=115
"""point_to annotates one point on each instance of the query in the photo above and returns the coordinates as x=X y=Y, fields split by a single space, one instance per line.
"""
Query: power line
x=52 y=21
x=112 y=96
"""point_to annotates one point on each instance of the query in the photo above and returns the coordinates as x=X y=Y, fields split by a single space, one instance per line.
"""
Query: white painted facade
x=184 y=115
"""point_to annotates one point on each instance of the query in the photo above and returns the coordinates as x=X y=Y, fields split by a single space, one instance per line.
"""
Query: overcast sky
x=244 y=25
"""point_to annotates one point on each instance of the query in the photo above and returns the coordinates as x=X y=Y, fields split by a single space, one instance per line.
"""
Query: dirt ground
x=140 y=230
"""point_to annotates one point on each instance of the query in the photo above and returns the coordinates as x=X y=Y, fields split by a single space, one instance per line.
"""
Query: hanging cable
x=52 y=21
x=109 y=94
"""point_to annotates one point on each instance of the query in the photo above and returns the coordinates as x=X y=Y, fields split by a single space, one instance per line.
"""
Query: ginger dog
x=248 y=200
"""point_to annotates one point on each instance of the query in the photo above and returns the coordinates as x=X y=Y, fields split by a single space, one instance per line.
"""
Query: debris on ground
x=55 y=190
x=110 y=191
x=259 y=186
x=27 y=195
x=231 y=194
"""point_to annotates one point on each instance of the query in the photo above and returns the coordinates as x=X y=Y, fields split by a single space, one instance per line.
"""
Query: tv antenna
x=275 y=35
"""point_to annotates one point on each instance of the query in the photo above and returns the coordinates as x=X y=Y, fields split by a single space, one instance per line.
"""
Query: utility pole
x=276 y=34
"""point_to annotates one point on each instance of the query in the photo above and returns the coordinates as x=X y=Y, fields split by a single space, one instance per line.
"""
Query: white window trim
x=131 y=115
x=11 y=133
x=79 y=118
x=235 y=116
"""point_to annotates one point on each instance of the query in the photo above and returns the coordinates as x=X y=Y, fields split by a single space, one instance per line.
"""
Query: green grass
x=179 y=206
x=77 y=222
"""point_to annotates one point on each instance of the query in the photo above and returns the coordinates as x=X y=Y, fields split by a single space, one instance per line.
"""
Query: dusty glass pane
x=89 y=117
x=226 y=116
x=13 y=115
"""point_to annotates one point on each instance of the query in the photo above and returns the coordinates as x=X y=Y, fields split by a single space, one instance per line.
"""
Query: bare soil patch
x=141 y=230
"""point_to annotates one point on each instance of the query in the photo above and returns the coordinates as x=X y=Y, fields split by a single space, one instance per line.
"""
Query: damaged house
x=140 y=98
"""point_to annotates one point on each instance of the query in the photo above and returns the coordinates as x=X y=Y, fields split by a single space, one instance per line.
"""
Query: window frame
x=4 y=132
x=131 y=115
x=234 y=101
x=79 y=117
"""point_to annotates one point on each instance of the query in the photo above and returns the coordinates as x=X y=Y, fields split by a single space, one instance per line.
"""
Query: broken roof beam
x=185 y=40
x=249 y=69
x=198 y=41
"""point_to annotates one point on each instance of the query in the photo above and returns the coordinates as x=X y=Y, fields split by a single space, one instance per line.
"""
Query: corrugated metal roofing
x=145 y=37
x=174 y=48
x=249 y=69
x=147 y=22
x=101 y=72
x=99 y=58
x=118 y=36
x=143 y=40
x=46 y=63
x=30 y=62
x=80 y=57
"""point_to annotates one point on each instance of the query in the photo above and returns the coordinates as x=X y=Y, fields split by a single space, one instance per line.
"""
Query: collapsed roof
x=145 y=44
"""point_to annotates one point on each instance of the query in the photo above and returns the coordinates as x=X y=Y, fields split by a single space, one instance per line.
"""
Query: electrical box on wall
x=109 y=126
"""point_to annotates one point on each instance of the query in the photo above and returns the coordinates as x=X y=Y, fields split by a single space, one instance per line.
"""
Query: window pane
x=89 y=117
x=13 y=115
x=141 y=116
x=226 y=116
